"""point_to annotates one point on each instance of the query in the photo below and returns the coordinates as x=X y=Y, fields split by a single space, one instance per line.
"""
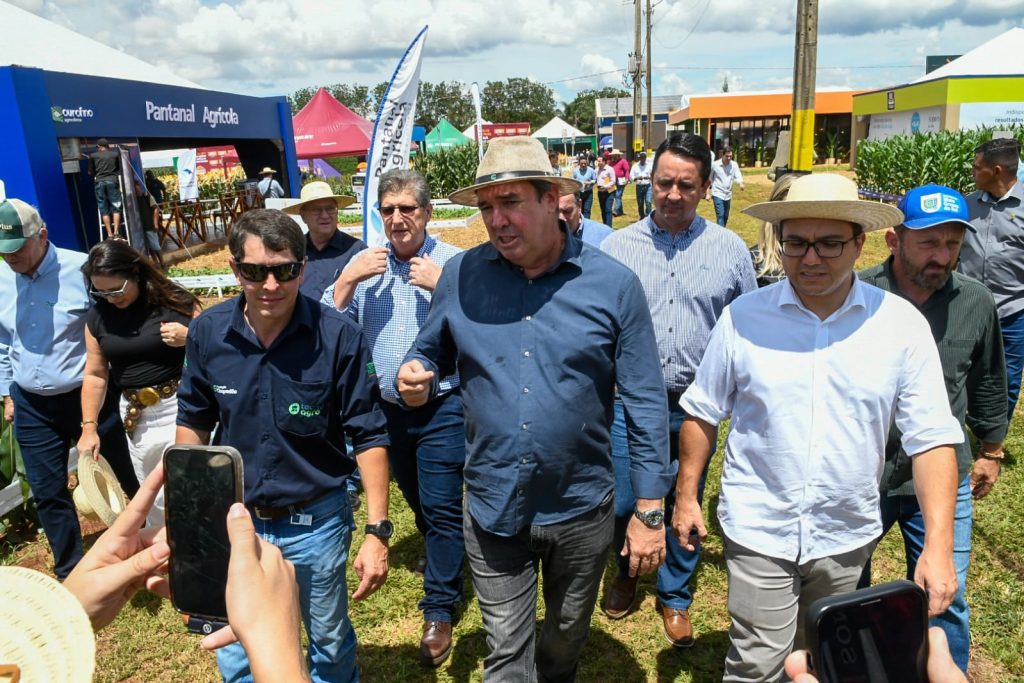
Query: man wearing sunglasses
x=43 y=305
x=285 y=380
x=388 y=291
x=812 y=371
x=328 y=249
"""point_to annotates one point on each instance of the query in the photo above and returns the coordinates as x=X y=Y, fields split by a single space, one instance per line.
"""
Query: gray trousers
x=768 y=599
x=571 y=557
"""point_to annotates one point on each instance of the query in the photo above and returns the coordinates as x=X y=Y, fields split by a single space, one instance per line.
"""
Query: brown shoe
x=678 y=628
x=436 y=643
x=620 y=597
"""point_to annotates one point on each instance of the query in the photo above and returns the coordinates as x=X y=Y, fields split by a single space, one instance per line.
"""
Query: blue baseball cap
x=931 y=205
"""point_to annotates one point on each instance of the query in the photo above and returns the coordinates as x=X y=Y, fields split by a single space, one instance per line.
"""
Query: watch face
x=382 y=529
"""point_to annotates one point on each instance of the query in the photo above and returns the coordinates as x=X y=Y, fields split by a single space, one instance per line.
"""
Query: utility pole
x=801 y=123
x=647 y=51
x=636 y=69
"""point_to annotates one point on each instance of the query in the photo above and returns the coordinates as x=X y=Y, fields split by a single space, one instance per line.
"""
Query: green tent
x=445 y=135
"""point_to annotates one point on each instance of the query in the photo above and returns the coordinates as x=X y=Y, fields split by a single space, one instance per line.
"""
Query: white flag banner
x=392 y=134
x=474 y=90
x=188 y=185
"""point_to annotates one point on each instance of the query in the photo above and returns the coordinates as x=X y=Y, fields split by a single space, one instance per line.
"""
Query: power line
x=738 y=68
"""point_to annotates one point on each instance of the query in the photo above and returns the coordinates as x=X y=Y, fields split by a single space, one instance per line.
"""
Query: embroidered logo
x=371 y=369
x=221 y=389
x=303 y=410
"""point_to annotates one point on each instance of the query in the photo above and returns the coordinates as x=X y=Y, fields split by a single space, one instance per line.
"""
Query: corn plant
x=447 y=170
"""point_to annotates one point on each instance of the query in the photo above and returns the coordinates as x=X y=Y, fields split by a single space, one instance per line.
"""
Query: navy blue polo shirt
x=323 y=266
x=286 y=408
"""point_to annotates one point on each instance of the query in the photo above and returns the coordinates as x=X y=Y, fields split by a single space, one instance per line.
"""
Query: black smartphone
x=876 y=635
x=201 y=484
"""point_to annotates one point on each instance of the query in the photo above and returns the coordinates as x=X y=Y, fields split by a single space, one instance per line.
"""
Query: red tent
x=327 y=128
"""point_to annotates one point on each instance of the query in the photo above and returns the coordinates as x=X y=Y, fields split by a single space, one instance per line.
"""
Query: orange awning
x=760 y=105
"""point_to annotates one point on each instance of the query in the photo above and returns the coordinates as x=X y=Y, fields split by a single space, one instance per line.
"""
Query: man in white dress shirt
x=812 y=370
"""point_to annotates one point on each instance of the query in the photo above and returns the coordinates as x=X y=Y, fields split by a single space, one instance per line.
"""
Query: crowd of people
x=543 y=399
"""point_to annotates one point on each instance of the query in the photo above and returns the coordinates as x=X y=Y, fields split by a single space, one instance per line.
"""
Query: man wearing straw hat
x=268 y=187
x=541 y=329
x=44 y=299
x=328 y=249
x=812 y=371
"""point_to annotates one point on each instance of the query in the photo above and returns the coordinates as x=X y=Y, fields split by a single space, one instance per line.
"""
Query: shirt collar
x=336 y=242
x=570 y=251
x=854 y=298
x=47 y=265
x=696 y=228
x=301 y=316
x=941 y=294
x=425 y=248
x=1016 y=190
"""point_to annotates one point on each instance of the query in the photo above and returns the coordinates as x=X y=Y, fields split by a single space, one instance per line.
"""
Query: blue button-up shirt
x=588 y=177
x=286 y=408
x=42 y=323
x=593 y=232
x=323 y=266
x=689 y=279
x=539 y=360
x=392 y=310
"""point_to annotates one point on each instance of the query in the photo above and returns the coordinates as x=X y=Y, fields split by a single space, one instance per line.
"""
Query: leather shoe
x=678 y=628
x=620 y=597
x=436 y=643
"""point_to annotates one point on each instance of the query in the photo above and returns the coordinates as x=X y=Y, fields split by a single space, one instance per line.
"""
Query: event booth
x=50 y=122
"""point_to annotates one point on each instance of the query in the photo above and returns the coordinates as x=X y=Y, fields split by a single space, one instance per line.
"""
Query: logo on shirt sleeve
x=371 y=369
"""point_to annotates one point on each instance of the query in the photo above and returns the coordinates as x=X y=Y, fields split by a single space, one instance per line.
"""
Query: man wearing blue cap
x=962 y=315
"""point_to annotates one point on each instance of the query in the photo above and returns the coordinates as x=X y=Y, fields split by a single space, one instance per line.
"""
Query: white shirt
x=722 y=178
x=811 y=403
x=641 y=173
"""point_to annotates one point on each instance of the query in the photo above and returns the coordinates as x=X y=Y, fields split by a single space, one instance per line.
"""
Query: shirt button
x=519 y=491
x=529 y=317
x=526 y=390
x=671 y=274
x=524 y=426
x=265 y=437
x=529 y=282
x=523 y=461
x=670 y=301
x=670 y=329
x=526 y=353
x=669 y=360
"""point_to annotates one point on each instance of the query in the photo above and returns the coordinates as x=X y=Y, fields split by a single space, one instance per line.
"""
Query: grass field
x=148 y=642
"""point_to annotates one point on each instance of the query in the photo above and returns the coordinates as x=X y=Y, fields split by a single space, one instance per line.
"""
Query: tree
x=355 y=97
x=518 y=99
x=447 y=99
x=581 y=113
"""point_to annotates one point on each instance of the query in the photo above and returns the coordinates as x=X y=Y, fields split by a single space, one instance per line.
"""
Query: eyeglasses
x=108 y=294
x=257 y=272
x=823 y=248
x=386 y=211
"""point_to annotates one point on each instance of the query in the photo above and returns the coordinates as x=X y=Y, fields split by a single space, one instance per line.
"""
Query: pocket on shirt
x=300 y=408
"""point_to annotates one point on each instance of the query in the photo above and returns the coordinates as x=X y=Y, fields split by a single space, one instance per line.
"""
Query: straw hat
x=315 y=191
x=827 y=196
x=45 y=633
x=511 y=160
x=98 y=494
x=266 y=170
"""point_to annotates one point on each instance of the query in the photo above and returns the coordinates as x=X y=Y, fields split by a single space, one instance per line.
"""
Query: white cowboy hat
x=46 y=634
x=827 y=196
x=315 y=191
x=511 y=160
x=267 y=169
x=98 y=495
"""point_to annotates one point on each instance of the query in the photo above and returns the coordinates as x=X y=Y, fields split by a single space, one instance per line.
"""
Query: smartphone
x=876 y=635
x=201 y=484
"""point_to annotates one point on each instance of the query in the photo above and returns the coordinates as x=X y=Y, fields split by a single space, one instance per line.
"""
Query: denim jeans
x=587 y=196
x=680 y=565
x=618 y=200
x=570 y=556
x=46 y=427
x=1013 y=350
x=319 y=552
x=427 y=454
x=108 y=196
x=643 y=199
x=605 y=200
x=904 y=509
x=721 y=210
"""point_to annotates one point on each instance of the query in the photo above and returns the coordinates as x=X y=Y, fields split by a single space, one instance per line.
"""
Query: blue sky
x=271 y=47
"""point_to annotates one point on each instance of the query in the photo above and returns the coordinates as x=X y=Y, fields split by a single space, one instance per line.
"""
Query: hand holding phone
x=203 y=482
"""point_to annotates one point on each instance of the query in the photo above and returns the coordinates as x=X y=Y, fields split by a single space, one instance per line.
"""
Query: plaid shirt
x=391 y=311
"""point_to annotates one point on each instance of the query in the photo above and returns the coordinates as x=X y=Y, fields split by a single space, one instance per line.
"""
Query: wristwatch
x=652 y=519
x=382 y=529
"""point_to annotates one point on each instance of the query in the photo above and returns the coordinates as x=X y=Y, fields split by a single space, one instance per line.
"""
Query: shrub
x=447 y=170
x=895 y=165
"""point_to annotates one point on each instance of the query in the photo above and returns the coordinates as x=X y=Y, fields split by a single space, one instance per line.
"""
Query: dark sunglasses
x=257 y=272
x=386 y=211
x=108 y=294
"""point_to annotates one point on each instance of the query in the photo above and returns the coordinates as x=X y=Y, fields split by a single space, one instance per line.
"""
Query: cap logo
x=5 y=226
x=931 y=203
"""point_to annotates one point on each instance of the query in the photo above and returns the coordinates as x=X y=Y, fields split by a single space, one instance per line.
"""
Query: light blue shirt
x=689 y=279
x=42 y=325
x=391 y=311
x=588 y=177
x=593 y=232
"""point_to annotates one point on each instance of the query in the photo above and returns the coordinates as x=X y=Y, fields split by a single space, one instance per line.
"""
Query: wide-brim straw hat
x=267 y=169
x=827 y=196
x=315 y=191
x=98 y=495
x=45 y=633
x=511 y=160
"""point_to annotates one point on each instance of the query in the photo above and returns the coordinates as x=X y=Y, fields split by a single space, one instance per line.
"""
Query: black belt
x=269 y=513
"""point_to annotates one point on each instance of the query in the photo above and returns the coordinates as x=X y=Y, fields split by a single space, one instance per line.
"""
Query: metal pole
x=648 y=132
x=637 y=66
x=801 y=152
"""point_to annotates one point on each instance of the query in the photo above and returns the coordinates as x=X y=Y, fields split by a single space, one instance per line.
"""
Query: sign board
x=504 y=130
x=890 y=100
x=991 y=114
x=882 y=126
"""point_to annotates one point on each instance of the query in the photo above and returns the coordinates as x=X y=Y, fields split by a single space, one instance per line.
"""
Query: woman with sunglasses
x=135 y=339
